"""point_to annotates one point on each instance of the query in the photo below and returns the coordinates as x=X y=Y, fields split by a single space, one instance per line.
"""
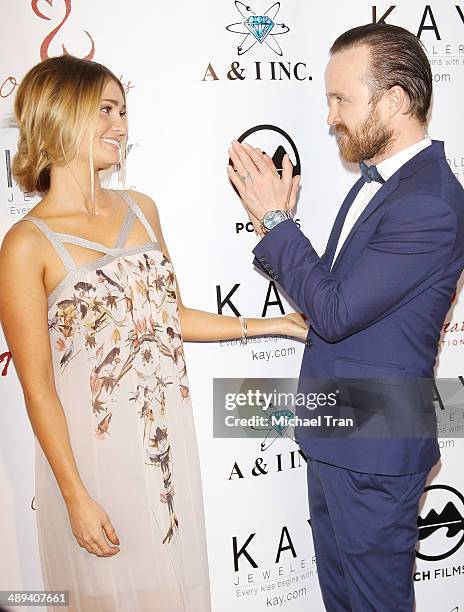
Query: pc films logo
x=275 y=142
x=258 y=29
x=441 y=523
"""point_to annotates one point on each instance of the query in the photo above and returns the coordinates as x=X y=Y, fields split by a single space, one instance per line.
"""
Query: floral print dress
x=120 y=373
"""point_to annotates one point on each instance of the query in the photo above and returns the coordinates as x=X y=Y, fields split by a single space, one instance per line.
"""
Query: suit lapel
x=387 y=189
x=339 y=221
x=431 y=153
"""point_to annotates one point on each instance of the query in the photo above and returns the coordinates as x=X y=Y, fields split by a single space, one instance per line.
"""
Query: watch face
x=272 y=218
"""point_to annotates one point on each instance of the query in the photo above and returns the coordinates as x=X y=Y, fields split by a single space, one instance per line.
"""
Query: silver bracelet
x=243 y=323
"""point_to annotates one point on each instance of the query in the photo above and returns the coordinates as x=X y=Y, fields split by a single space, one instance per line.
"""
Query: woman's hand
x=295 y=325
x=90 y=524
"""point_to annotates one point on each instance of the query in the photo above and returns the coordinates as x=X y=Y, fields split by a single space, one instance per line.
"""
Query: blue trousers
x=364 y=531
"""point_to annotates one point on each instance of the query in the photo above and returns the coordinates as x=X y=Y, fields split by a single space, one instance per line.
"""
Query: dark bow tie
x=370 y=173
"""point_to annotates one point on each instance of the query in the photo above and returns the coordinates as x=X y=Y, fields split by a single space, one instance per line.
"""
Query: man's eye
x=340 y=99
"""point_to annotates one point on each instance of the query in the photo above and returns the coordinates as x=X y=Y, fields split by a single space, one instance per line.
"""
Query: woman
x=94 y=321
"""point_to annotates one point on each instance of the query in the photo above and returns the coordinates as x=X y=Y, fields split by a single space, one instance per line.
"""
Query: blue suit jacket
x=378 y=313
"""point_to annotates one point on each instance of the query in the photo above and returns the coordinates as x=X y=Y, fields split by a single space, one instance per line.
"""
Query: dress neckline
x=108 y=254
x=80 y=241
x=75 y=275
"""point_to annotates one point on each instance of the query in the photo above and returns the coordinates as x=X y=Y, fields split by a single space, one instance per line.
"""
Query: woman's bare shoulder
x=22 y=260
x=23 y=239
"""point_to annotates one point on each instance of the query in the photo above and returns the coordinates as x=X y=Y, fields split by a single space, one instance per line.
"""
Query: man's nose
x=332 y=117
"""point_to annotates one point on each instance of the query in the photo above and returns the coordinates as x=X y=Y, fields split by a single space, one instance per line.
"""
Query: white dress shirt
x=386 y=168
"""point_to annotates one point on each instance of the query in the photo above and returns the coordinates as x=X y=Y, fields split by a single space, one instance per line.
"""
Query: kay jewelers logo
x=256 y=28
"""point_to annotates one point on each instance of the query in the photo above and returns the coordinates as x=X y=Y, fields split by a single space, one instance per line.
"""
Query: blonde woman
x=94 y=321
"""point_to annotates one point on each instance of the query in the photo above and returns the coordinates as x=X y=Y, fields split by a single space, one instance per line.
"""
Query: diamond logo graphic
x=280 y=419
x=258 y=28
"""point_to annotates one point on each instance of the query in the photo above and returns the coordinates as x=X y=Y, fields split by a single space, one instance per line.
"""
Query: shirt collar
x=389 y=166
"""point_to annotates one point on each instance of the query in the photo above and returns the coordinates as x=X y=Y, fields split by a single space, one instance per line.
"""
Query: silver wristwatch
x=273 y=218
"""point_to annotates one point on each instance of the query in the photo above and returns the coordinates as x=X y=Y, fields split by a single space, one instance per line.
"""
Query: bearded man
x=376 y=301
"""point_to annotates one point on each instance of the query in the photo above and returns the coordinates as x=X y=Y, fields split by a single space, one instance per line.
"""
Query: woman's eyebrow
x=115 y=102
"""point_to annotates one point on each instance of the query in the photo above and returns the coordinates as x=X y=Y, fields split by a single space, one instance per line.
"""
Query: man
x=376 y=301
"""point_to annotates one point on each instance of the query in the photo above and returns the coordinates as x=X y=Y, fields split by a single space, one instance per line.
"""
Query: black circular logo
x=441 y=526
x=275 y=142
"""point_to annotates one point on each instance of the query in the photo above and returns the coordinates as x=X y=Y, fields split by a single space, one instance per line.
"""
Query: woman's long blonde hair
x=55 y=103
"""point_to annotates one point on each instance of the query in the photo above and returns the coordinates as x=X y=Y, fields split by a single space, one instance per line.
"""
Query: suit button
x=309 y=342
x=262 y=259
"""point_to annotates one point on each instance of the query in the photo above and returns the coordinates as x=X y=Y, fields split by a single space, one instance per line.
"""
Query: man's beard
x=369 y=140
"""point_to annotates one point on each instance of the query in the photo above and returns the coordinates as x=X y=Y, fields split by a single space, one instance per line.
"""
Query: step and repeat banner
x=198 y=75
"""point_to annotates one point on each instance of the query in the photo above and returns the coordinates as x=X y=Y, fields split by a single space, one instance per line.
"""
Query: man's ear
x=398 y=101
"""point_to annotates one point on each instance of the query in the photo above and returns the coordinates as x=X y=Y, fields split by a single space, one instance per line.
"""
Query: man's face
x=361 y=126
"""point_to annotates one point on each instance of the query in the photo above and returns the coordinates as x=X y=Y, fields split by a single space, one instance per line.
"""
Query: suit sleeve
x=409 y=250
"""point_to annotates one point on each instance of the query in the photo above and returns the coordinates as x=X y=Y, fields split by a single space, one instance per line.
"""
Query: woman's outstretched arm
x=202 y=326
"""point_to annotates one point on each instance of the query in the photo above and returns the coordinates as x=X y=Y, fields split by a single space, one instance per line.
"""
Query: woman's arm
x=198 y=325
x=24 y=319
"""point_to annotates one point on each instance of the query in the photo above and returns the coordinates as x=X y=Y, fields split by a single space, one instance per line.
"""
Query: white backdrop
x=190 y=92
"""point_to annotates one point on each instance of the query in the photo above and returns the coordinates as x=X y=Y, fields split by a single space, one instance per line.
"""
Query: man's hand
x=258 y=183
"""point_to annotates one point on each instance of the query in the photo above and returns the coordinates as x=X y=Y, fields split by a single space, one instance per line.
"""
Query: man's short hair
x=397 y=57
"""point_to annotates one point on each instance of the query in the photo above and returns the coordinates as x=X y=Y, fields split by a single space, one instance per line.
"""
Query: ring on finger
x=245 y=177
